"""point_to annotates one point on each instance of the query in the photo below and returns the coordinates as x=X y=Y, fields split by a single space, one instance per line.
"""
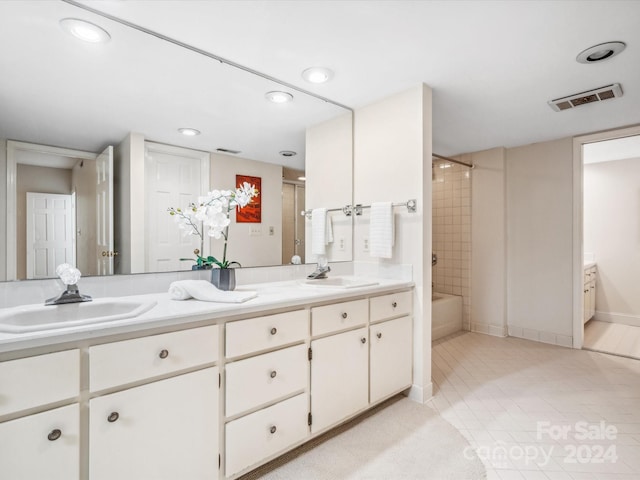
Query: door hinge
x=310 y=354
x=219 y=380
x=219 y=461
x=309 y=419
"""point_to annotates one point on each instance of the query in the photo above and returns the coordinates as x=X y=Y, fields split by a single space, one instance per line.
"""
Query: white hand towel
x=318 y=231
x=328 y=233
x=381 y=230
x=206 y=291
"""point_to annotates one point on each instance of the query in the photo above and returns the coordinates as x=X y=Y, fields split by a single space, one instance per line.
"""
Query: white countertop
x=168 y=312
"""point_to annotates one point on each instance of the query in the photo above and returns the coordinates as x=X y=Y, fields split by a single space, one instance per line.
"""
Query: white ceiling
x=492 y=65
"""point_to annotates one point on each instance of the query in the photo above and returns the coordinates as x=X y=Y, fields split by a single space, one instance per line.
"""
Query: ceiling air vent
x=590 y=96
x=227 y=150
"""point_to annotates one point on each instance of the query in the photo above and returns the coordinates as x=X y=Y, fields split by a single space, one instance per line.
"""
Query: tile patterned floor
x=612 y=338
x=533 y=411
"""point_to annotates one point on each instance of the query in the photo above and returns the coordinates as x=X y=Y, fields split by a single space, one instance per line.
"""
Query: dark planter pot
x=224 y=278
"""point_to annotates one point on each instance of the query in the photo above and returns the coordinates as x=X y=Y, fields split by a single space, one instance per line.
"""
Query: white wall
x=83 y=183
x=488 y=240
x=612 y=234
x=392 y=146
x=328 y=165
x=539 y=241
x=261 y=248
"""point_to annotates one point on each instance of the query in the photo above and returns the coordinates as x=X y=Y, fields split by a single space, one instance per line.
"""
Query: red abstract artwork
x=252 y=213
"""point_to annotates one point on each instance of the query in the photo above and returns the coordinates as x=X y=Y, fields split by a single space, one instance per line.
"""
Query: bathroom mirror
x=58 y=91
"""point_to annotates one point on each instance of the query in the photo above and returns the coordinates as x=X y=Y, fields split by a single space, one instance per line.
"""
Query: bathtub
x=446 y=315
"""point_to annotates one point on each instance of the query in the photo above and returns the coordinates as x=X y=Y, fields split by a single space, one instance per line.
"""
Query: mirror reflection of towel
x=381 y=230
x=319 y=231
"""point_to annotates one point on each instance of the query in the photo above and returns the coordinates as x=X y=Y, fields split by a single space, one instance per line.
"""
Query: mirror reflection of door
x=293 y=227
x=50 y=239
x=42 y=169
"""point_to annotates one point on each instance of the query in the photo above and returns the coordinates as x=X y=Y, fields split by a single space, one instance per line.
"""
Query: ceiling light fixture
x=189 y=132
x=600 y=52
x=288 y=153
x=279 y=97
x=85 y=31
x=317 y=75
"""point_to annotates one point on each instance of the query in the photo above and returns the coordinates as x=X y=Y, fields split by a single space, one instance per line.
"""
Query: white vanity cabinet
x=589 y=297
x=266 y=389
x=339 y=362
x=165 y=429
x=41 y=444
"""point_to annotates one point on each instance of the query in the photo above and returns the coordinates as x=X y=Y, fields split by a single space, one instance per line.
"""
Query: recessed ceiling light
x=288 y=153
x=189 y=132
x=600 y=52
x=317 y=75
x=278 y=97
x=84 y=30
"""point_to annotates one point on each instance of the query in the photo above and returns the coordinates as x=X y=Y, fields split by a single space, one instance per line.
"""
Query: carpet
x=397 y=440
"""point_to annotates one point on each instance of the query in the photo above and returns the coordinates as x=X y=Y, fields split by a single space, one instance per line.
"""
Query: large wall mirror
x=76 y=113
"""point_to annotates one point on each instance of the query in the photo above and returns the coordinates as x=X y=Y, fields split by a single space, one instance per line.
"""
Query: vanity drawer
x=264 y=433
x=118 y=363
x=262 y=333
x=339 y=316
x=390 y=306
x=34 y=381
x=263 y=378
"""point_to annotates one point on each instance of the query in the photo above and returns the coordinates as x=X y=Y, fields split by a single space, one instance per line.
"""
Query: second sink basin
x=33 y=318
x=339 y=282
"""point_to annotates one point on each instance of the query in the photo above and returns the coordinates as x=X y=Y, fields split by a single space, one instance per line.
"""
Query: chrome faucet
x=69 y=276
x=322 y=269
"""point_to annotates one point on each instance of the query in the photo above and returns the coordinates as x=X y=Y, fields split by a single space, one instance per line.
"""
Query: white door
x=175 y=177
x=104 y=212
x=339 y=377
x=50 y=231
x=165 y=430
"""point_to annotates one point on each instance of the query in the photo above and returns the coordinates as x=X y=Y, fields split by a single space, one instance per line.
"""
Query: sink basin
x=33 y=318
x=339 y=282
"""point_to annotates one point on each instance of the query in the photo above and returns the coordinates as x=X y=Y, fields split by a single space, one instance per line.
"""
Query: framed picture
x=252 y=213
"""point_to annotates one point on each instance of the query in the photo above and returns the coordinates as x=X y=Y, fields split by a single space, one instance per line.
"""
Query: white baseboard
x=633 y=320
x=494 y=330
x=421 y=394
x=540 y=336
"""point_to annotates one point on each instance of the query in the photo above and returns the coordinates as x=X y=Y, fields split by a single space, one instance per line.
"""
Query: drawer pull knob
x=164 y=354
x=274 y=330
x=54 y=435
x=363 y=340
x=344 y=315
x=273 y=429
x=273 y=374
x=379 y=334
x=394 y=304
x=113 y=417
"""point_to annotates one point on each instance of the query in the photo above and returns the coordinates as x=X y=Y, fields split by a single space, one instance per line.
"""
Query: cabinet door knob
x=273 y=429
x=394 y=304
x=273 y=374
x=379 y=334
x=54 y=435
x=164 y=353
x=344 y=315
x=274 y=330
x=113 y=416
x=363 y=340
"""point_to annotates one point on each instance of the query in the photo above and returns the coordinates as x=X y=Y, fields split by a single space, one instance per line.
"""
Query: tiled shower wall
x=452 y=233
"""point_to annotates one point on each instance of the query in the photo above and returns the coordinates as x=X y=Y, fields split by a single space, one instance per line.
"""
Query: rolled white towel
x=207 y=292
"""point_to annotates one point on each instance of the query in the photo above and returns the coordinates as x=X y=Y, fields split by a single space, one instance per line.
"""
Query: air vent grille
x=590 y=96
x=227 y=150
